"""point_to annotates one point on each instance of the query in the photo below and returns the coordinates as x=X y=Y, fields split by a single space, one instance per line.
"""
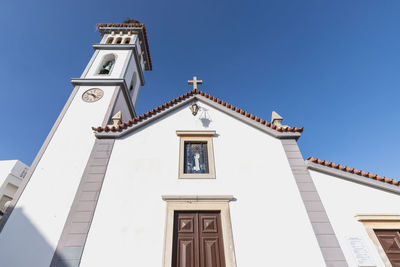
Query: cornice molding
x=114 y=46
x=377 y=217
x=194 y=133
x=198 y=198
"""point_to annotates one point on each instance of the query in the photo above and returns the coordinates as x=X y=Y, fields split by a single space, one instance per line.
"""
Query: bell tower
x=38 y=218
x=120 y=59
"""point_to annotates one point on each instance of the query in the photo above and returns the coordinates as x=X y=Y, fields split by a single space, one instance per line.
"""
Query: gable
x=191 y=97
x=163 y=130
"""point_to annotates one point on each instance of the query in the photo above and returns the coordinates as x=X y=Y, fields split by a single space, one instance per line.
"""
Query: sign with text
x=360 y=252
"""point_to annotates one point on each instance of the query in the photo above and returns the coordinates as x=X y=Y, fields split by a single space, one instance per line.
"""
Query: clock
x=92 y=95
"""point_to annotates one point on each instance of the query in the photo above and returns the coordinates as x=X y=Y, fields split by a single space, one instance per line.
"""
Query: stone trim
x=195 y=133
x=377 y=217
x=99 y=81
x=197 y=198
x=353 y=177
x=210 y=156
x=379 y=221
x=209 y=203
x=114 y=47
x=76 y=229
x=328 y=243
x=36 y=161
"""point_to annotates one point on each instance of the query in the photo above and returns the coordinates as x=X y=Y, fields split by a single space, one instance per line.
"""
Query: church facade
x=193 y=182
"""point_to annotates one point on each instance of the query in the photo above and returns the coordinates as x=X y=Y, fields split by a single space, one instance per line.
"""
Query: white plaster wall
x=343 y=200
x=121 y=105
x=18 y=168
x=10 y=171
x=6 y=167
x=37 y=221
x=139 y=48
x=130 y=70
x=116 y=72
x=269 y=219
x=9 y=187
x=136 y=91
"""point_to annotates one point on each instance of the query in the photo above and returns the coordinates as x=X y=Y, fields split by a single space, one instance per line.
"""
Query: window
x=107 y=64
x=127 y=40
x=133 y=82
x=118 y=40
x=110 y=40
x=384 y=231
x=196 y=158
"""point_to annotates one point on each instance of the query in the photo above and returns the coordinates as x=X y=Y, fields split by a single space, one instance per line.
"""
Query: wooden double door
x=197 y=239
x=390 y=241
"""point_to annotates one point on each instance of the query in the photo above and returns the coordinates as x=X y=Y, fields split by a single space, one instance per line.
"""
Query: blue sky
x=330 y=66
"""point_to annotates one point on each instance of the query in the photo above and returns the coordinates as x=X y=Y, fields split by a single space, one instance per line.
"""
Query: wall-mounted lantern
x=194 y=108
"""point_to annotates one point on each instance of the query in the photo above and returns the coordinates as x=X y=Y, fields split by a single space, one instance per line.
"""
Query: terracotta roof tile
x=185 y=96
x=130 y=25
x=354 y=171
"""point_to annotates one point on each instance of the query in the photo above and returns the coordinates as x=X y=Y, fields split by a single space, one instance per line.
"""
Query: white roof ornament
x=117 y=119
x=276 y=119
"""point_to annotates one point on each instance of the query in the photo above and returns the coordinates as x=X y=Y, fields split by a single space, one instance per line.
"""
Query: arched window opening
x=107 y=64
x=119 y=40
x=127 y=40
x=134 y=80
x=110 y=40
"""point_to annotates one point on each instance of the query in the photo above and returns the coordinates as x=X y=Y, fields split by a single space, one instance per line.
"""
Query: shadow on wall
x=24 y=245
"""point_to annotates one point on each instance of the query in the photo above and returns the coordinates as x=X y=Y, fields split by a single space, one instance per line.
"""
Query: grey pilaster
x=73 y=238
x=328 y=243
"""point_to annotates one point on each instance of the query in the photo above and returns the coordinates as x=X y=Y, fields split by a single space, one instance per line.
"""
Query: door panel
x=209 y=252
x=186 y=252
x=198 y=239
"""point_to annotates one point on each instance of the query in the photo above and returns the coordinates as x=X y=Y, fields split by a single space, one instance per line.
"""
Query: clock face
x=92 y=95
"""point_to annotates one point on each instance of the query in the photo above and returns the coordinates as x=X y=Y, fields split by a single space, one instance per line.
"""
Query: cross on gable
x=195 y=82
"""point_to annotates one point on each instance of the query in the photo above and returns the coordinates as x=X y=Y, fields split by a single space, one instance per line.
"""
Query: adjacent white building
x=12 y=172
x=193 y=182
